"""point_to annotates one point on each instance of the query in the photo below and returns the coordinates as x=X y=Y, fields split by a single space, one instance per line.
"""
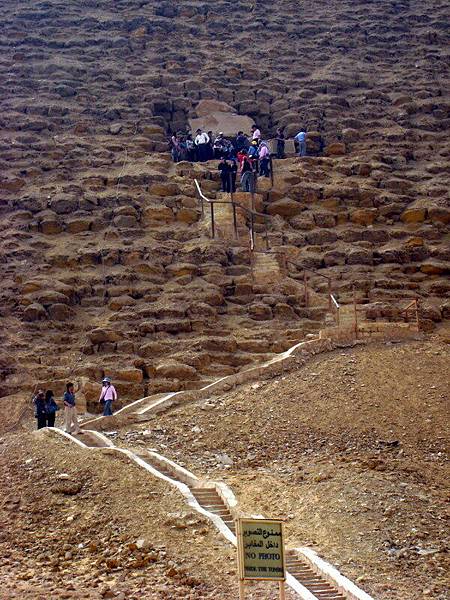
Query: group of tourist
x=249 y=158
x=45 y=406
x=205 y=147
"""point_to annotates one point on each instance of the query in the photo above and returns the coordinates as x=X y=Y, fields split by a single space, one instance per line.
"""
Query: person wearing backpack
x=107 y=396
x=50 y=408
x=247 y=175
x=253 y=150
x=70 y=412
x=40 y=412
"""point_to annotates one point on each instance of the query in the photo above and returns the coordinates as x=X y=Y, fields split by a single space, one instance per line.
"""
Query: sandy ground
x=73 y=521
x=350 y=449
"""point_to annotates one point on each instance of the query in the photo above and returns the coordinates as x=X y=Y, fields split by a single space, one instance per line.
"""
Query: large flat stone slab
x=228 y=122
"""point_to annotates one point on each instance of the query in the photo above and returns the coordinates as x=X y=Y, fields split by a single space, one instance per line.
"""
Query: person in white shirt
x=300 y=138
x=107 y=395
x=256 y=133
x=202 y=141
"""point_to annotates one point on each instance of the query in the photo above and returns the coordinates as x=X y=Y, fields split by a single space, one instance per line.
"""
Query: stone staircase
x=266 y=268
x=211 y=501
x=319 y=587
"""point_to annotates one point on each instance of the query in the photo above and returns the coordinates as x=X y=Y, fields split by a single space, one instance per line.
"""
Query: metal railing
x=334 y=307
x=412 y=306
x=250 y=213
x=307 y=270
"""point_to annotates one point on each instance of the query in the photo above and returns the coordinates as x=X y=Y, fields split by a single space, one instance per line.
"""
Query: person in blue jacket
x=50 y=407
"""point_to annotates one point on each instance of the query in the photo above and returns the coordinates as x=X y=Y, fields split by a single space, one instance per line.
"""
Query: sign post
x=261 y=552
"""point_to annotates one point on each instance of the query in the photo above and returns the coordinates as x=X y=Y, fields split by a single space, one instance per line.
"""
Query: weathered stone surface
x=364 y=216
x=336 y=149
x=321 y=236
x=325 y=219
x=121 y=301
x=34 y=312
x=439 y=214
x=63 y=204
x=151 y=349
x=157 y=213
x=414 y=215
x=65 y=171
x=260 y=312
x=434 y=268
x=60 y=312
x=51 y=225
x=188 y=215
x=99 y=335
x=350 y=135
x=283 y=311
x=129 y=374
x=78 y=225
x=286 y=207
x=47 y=297
x=115 y=128
x=164 y=189
x=206 y=107
x=180 y=269
x=175 y=370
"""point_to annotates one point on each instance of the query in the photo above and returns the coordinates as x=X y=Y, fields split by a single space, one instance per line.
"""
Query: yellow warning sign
x=261 y=549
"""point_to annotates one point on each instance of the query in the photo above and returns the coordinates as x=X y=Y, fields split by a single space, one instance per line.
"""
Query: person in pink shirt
x=264 y=159
x=107 y=395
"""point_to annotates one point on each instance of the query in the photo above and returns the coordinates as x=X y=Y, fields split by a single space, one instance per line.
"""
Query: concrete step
x=317 y=585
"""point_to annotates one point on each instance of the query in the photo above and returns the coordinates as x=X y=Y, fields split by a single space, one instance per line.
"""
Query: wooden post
x=282 y=590
x=417 y=314
x=241 y=589
x=252 y=230
x=329 y=295
x=236 y=233
x=213 y=229
x=305 y=283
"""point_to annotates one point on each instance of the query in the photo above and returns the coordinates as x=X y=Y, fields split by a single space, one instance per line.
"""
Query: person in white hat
x=107 y=395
